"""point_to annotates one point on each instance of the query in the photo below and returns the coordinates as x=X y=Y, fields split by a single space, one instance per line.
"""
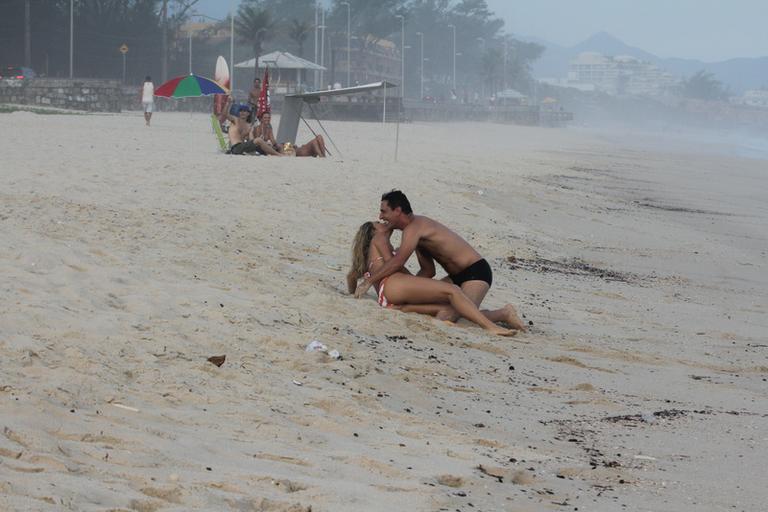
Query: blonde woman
x=406 y=292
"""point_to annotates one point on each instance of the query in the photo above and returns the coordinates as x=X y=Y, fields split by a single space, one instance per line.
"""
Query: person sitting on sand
x=372 y=250
x=239 y=135
x=315 y=147
x=434 y=242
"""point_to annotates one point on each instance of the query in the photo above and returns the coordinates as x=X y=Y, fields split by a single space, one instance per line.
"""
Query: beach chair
x=219 y=134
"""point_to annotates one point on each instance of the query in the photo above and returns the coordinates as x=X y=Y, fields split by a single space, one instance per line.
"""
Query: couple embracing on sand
x=458 y=295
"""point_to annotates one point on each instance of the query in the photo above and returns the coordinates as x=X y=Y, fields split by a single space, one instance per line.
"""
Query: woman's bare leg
x=423 y=309
x=507 y=315
x=266 y=147
x=321 y=145
x=405 y=289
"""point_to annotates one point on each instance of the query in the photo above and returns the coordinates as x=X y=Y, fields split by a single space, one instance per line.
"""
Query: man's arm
x=426 y=264
x=408 y=244
x=227 y=112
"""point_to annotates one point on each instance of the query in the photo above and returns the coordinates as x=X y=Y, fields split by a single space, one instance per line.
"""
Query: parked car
x=16 y=73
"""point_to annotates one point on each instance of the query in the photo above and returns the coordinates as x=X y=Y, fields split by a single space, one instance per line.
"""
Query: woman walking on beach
x=406 y=292
x=148 y=98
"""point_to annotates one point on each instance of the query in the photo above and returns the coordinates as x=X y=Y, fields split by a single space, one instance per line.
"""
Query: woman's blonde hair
x=360 y=248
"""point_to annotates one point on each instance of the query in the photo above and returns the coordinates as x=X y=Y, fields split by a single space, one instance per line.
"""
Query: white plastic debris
x=316 y=346
x=334 y=354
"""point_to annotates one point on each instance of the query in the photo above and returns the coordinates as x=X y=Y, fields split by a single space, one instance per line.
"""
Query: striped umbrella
x=189 y=86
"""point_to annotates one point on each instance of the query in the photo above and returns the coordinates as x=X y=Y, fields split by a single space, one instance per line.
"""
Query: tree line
x=37 y=33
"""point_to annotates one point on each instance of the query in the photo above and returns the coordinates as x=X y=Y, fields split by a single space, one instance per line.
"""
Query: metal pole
x=349 y=61
x=402 y=55
x=316 y=28
x=453 y=27
x=190 y=50
x=384 y=113
x=123 y=68
x=482 y=79
x=504 y=67
x=421 y=71
x=454 y=58
x=322 y=44
x=232 y=45
x=27 y=36
x=71 y=34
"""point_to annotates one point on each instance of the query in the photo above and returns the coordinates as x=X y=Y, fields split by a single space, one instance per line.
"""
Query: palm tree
x=254 y=26
x=298 y=32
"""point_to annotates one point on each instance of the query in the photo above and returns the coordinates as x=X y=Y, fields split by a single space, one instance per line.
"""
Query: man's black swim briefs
x=478 y=271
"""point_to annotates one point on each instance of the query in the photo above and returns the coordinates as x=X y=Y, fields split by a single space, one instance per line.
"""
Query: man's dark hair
x=396 y=199
x=148 y=78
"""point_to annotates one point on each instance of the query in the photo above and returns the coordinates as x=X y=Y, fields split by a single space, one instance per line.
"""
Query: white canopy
x=510 y=94
x=281 y=60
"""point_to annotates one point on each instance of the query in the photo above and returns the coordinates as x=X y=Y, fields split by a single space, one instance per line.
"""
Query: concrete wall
x=78 y=94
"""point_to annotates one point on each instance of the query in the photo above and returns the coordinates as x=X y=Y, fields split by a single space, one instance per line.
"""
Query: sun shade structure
x=189 y=86
x=293 y=104
x=281 y=60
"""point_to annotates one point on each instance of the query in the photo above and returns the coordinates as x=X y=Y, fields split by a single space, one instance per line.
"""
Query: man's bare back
x=435 y=240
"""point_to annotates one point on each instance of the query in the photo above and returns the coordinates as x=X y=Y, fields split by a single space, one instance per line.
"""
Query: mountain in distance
x=737 y=74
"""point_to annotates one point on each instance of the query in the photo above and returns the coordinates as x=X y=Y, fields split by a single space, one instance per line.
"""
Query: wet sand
x=131 y=255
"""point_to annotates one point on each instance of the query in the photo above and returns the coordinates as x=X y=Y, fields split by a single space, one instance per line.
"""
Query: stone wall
x=130 y=99
x=77 y=94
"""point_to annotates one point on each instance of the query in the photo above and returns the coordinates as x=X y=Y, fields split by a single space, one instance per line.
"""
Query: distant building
x=373 y=60
x=755 y=98
x=621 y=75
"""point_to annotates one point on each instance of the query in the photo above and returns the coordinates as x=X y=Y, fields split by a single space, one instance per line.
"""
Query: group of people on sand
x=375 y=263
x=250 y=134
x=247 y=137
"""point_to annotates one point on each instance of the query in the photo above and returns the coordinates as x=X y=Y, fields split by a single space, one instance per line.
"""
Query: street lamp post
x=317 y=26
x=421 y=66
x=402 y=55
x=232 y=44
x=454 y=56
x=71 y=36
x=482 y=81
x=349 y=62
x=322 y=43
x=189 y=31
x=504 y=67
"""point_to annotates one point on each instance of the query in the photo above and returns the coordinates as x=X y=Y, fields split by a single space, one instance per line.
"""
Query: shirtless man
x=253 y=95
x=239 y=135
x=434 y=242
x=315 y=147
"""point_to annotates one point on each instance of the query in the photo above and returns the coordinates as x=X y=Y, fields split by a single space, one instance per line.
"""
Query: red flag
x=263 y=105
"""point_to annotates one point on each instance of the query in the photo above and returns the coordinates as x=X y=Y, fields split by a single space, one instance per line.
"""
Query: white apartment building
x=755 y=98
x=620 y=75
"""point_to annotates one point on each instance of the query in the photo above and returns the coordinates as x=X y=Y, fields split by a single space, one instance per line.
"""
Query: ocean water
x=664 y=137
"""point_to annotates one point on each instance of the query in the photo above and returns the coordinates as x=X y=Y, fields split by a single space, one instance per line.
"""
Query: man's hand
x=363 y=287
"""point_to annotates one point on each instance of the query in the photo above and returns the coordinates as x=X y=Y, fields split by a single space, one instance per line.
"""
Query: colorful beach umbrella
x=189 y=86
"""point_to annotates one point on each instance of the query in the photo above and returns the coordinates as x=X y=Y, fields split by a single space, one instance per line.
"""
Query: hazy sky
x=703 y=29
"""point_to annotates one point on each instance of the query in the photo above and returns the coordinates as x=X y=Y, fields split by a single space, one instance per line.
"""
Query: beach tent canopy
x=281 y=60
x=293 y=104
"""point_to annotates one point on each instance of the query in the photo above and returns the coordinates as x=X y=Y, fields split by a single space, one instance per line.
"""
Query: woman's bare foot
x=512 y=319
x=500 y=331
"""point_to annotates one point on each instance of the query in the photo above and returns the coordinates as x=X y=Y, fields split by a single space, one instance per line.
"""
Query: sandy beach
x=130 y=255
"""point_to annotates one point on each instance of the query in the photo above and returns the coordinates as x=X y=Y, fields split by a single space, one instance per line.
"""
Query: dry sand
x=130 y=255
